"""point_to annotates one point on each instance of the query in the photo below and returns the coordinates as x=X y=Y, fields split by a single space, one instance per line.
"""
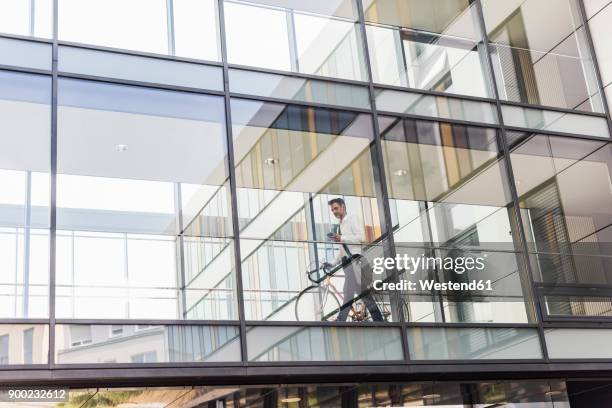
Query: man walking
x=350 y=229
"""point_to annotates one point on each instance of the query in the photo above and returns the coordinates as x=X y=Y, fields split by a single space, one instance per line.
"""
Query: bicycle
x=322 y=300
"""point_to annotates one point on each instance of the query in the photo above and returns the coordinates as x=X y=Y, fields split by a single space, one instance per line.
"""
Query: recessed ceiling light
x=270 y=161
x=121 y=147
x=400 y=172
x=431 y=396
x=290 y=400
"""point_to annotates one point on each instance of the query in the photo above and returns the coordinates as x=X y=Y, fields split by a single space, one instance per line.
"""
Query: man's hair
x=336 y=201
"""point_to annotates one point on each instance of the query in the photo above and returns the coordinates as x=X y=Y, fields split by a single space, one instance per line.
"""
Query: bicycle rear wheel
x=316 y=303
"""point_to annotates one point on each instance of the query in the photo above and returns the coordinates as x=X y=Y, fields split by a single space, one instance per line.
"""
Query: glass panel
x=23 y=344
x=136 y=68
x=579 y=306
x=32 y=18
x=299 y=39
x=578 y=343
x=558 y=217
x=448 y=188
x=27 y=54
x=600 y=29
x=188 y=29
x=453 y=17
x=121 y=227
x=146 y=344
x=429 y=343
x=298 y=89
x=427 y=46
x=555 y=121
x=540 y=54
x=285 y=343
x=291 y=161
x=25 y=114
x=435 y=106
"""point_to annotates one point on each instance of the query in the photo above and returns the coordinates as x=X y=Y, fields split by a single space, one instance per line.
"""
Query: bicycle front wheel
x=316 y=303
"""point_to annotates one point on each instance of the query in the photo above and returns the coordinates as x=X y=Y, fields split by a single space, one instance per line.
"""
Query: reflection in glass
x=430 y=46
x=25 y=114
x=435 y=106
x=142 y=185
x=447 y=187
x=284 y=343
x=540 y=54
x=555 y=121
x=429 y=343
x=32 y=18
x=298 y=89
x=290 y=162
x=138 y=68
x=96 y=344
x=558 y=216
x=320 y=39
x=184 y=28
x=23 y=344
x=594 y=343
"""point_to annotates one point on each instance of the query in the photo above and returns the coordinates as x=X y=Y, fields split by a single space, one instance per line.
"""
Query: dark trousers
x=352 y=289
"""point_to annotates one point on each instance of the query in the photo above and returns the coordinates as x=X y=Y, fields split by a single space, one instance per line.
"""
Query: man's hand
x=336 y=237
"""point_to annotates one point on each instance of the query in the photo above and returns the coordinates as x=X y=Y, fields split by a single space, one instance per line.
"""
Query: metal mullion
x=380 y=181
x=178 y=202
x=511 y=181
x=24 y=320
x=53 y=190
x=232 y=185
x=587 y=32
x=170 y=27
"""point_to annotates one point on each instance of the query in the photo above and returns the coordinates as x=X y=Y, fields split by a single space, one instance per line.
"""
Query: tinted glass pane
x=290 y=162
x=23 y=344
x=139 y=172
x=555 y=121
x=561 y=343
x=435 y=106
x=25 y=114
x=428 y=343
x=294 y=39
x=27 y=17
x=448 y=188
x=298 y=89
x=25 y=53
x=96 y=344
x=426 y=45
x=323 y=344
x=187 y=29
x=541 y=55
x=137 y=68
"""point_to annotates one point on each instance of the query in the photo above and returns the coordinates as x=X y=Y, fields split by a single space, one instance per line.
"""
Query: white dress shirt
x=351 y=231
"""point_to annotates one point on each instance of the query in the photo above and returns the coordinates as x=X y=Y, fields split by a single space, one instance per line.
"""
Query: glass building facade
x=166 y=168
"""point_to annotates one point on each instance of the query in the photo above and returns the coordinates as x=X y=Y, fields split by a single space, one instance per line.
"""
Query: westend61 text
x=429 y=285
